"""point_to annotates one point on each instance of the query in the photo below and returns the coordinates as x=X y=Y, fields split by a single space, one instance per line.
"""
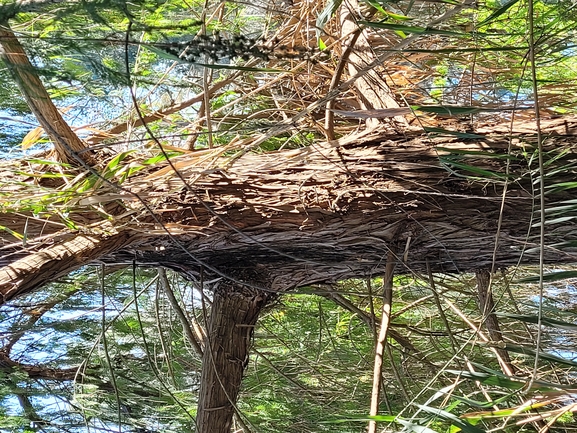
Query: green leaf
x=476 y=153
x=46 y=162
x=397 y=17
x=555 y=221
x=554 y=276
x=542 y=355
x=497 y=13
x=416 y=428
x=441 y=131
x=489 y=379
x=462 y=424
x=478 y=404
x=69 y=223
x=566 y=244
x=411 y=29
x=482 y=173
x=376 y=5
x=12 y=232
x=563 y=185
x=111 y=166
x=559 y=210
x=365 y=418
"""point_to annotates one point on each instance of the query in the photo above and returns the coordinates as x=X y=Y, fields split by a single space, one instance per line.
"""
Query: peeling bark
x=374 y=92
x=319 y=214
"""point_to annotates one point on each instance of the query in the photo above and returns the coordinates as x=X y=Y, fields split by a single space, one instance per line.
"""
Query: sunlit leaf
x=556 y=221
x=32 y=138
x=326 y=14
x=489 y=379
x=47 y=162
x=498 y=13
x=415 y=428
x=562 y=185
x=542 y=355
x=480 y=172
x=111 y=166
x=462 y=424
x=12 y=232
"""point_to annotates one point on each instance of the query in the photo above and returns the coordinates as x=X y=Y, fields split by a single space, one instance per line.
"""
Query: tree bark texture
x=234 y=312
x=489 y=318
x=320 y=214
x=57 y=260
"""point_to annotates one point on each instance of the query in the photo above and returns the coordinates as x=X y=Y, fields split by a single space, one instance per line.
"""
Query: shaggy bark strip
x=44 y=266
x=374 y=92
x=320 y=214
x=234 y=312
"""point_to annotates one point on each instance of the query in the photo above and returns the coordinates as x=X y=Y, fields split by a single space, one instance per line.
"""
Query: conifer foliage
x=305 y=216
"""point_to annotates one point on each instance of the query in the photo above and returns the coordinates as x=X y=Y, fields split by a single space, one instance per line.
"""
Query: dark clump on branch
x=216 y=47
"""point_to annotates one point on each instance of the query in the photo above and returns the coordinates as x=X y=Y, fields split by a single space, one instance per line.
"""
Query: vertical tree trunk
x=235 y=310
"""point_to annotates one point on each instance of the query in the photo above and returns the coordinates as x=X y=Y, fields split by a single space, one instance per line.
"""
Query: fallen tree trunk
x=327 y=212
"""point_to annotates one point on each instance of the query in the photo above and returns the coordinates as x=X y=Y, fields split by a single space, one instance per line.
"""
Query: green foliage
x=70 y=333
x=309 y=364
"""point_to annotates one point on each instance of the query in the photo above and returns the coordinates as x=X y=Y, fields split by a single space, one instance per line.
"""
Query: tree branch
x=32 y=271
